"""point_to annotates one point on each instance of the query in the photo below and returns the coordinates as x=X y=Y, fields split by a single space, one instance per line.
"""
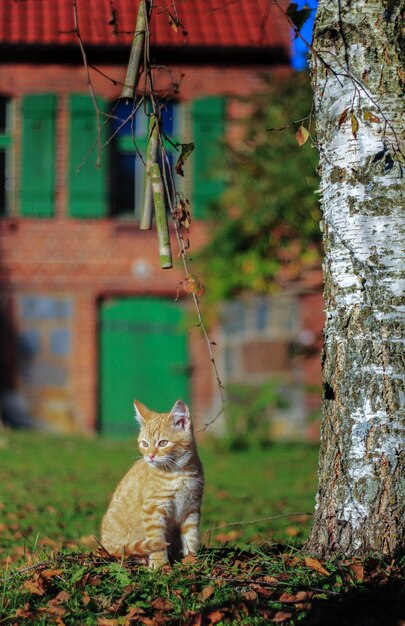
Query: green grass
x=54 y=490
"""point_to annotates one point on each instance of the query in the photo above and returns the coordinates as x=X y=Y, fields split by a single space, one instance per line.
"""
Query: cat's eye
x=163 y=443
x=144 y=443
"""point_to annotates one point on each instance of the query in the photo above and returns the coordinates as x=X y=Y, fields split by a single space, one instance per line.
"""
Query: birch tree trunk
x=358 y=81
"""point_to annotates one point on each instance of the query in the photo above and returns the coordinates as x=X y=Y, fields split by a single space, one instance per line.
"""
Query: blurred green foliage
x=265 y=227
x=249 y=410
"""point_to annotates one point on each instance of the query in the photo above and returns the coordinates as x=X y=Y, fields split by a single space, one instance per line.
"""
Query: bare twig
x=89 y=83
x=261 y=519
x=276 y=583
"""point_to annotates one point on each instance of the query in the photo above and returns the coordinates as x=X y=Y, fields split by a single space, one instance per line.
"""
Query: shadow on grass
x=380 y=604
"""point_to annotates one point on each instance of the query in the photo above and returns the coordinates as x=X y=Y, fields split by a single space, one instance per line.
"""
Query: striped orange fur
x=156 y=507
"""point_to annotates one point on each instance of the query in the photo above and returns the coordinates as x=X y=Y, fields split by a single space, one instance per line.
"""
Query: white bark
x=360 y=504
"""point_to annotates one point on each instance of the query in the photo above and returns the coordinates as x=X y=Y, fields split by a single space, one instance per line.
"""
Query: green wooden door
x=143 y=356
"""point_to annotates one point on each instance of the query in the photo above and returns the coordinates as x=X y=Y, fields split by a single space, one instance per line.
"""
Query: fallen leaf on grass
x=263 y=591
x=300 y=599
x=50 y=573
x=224 y=537
x=190 y=559
x=24 y=611
x=292 y=531
x=35 y=587
x=206 y=593
x=287 y=598
x=249 y=596
x=269 y=579
x=161 y=604
x=316 y=565
x=357 y=570
x=134 y=611
x=56 y=611
x=85 y=598
x=89 y=541
x=63 y=596
x=281 y=616
x=215 y=616
x=291 y=561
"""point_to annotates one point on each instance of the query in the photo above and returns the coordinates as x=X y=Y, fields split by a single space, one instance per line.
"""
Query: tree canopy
x=264 y=229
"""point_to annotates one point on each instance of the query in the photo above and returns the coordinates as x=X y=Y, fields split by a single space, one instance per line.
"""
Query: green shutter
x=208 y=130
x=87 y=182
x=38 y=156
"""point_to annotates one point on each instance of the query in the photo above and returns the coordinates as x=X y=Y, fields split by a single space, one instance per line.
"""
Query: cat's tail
x=143 y=548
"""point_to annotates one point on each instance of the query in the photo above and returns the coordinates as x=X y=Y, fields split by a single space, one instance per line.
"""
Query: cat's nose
x=152 y=456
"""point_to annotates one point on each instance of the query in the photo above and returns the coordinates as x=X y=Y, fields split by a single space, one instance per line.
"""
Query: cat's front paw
x=157 y=560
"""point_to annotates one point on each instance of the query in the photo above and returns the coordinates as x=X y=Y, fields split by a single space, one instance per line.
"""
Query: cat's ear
x=140 y=411
x=181 y=416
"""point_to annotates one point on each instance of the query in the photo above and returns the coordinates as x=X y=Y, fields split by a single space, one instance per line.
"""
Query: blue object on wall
x=46 y=308
x=299 y=52
x=61 y=341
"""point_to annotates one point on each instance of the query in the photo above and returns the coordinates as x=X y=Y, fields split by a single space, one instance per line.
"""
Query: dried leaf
x=191 y=284
x=190 y=559
x=207 y=592
x=174 y=22
x=63 y=596
x=298 y=16
x=181 y=213
x=370 y=117
x=315 y=565
x=215 y=616
x=355 y=125
x=134 y=611
x=24 y=611
x=270 y=579
x=34 y=587
x=281 y=616
x=161 y=604
x=342 y=117
x=357 y=570
x=186 y=150
x=249 y=596
x=287 y=597
x=292 y=531
x=85 y=598
x=50 y=573
x=302 y=135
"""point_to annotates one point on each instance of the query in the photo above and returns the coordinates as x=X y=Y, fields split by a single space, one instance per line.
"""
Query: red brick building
x=88 y=318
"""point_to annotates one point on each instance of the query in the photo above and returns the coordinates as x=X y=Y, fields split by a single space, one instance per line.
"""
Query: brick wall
x=86 y=261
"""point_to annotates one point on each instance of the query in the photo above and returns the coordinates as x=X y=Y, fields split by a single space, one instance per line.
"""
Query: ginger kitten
x=157 y=504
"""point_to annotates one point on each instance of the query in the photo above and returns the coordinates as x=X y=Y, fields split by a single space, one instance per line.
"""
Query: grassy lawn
x=54 y=491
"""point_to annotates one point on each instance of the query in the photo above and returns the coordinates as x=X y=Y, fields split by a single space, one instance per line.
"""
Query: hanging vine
x=161 y=200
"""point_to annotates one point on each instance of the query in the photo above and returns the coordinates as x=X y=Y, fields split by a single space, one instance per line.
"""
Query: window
x=129 y=146
x=5 y=155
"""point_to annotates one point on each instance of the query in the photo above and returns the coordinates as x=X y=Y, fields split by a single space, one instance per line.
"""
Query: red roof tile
x=207 y=23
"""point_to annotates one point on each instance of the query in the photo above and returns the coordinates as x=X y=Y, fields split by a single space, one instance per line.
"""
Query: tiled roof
x=204 y=23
